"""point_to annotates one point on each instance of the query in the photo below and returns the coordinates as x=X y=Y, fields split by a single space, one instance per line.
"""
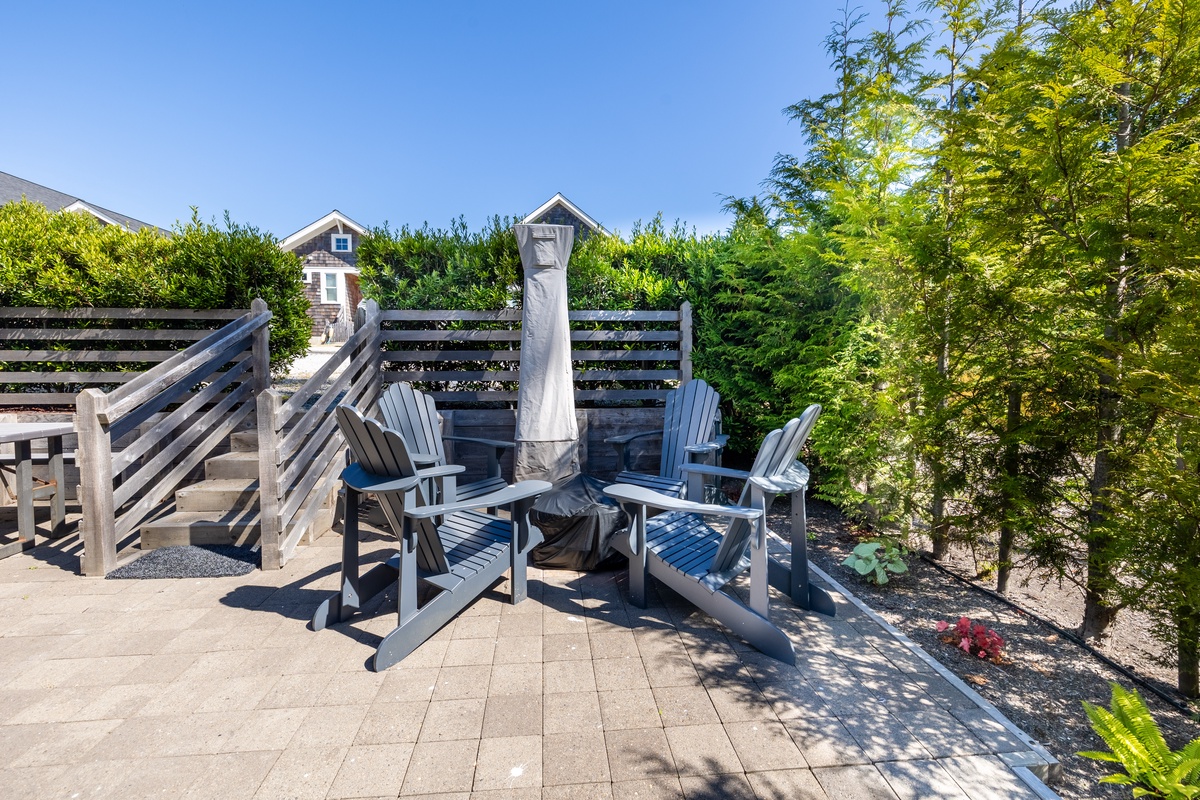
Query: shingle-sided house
x=558 y=210
x=329 y=250
x=13 y=189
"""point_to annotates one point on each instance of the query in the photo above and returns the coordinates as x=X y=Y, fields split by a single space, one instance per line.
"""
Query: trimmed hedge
x=68 y=260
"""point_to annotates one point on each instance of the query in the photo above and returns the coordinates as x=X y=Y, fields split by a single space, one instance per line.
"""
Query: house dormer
x=558 y=210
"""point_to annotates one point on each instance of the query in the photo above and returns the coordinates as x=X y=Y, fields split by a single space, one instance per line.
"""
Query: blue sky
x=407 y=112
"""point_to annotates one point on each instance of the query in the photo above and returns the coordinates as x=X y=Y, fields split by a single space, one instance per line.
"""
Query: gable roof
x=560 y=200
x=13 y=188
x=334 y=217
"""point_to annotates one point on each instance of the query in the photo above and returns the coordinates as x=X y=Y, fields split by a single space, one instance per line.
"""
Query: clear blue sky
x=407 y=112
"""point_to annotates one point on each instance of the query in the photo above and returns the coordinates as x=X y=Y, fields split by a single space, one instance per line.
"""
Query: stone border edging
x=1035 y=777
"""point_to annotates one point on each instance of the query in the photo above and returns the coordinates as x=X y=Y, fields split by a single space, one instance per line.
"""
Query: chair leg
x=355 y=589
x=639 y=565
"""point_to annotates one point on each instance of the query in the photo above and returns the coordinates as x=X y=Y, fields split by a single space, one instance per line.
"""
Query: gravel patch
x=190 y=561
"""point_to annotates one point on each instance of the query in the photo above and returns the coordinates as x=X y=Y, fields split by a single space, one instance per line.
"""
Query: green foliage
x=874 y=560
x=1137 y=744
x=67 y=260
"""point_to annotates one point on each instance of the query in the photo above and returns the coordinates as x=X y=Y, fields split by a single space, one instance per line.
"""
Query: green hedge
x=68 y=260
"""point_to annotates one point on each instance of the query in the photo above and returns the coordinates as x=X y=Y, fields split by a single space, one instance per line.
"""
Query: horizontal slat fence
x=468 y=358
x=301 y=452
x=192 y=401
x=47 y=356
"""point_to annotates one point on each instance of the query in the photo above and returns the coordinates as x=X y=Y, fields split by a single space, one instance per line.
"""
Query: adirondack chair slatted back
x=776 y=455
x=689 y=418
x=413 y=415
x=381 y=451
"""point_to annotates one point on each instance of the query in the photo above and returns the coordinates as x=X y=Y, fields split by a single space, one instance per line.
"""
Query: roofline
x=305 y=233
x=81 y=205
x=574 y=209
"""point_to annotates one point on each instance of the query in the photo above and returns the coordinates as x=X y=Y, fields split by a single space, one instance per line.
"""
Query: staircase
x=223 y=508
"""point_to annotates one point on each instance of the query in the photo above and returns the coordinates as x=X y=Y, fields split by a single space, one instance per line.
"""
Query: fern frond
x=1129 y=708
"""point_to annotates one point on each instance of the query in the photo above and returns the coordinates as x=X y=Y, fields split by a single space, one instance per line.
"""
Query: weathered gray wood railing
x=209 y=388
x=474 y=356
x=300 y=449
x=106 y=347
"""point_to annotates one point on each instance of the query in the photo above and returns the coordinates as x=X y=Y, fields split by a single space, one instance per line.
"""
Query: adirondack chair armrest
x=360 y=480
x=720 y=472
x=503 y=497
x=499 y=445
x=639 y=495
x=704 y=448
x=424 y=458
x=626 y=438
x=441 y=471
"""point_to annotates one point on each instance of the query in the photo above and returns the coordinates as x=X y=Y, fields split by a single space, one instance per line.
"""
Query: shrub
x=67 y=260
x=1137 y=744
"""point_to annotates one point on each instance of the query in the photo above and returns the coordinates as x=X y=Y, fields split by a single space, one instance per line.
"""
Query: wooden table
x=22 y=434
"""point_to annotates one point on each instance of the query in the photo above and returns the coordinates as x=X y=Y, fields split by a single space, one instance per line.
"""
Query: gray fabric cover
x=547 y=435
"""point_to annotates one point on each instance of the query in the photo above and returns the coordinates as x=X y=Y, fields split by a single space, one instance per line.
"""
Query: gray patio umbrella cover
x=547 y=435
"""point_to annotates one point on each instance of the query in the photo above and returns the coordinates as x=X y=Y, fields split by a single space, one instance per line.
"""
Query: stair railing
x=209 y=388
x=301 y=452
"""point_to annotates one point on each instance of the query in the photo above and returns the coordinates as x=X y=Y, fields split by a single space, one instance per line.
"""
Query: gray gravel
x=190 y=561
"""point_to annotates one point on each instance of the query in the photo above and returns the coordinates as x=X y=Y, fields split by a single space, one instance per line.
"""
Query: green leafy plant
x=1137 y=744
x=874 y=560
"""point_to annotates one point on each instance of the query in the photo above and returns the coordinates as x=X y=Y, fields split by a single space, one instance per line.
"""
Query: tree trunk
x=1187 y=620
x=1009 y=480
x=1099 y=612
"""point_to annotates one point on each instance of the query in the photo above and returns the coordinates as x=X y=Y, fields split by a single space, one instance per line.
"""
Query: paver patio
x=216 y=688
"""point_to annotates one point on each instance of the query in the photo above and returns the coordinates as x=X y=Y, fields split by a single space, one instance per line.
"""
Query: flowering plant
x=973 y=639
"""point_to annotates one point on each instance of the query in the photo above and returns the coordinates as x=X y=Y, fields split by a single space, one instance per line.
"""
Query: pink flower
x=942 y=625
x=965 y=644
x=983 y=654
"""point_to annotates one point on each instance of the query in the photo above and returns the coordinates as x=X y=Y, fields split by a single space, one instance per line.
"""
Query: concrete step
x=242 y=465
x=201 y=527
x=218 y=495
x=244 y=441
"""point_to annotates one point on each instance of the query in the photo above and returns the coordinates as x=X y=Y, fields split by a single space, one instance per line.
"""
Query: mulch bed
x=1044 y=677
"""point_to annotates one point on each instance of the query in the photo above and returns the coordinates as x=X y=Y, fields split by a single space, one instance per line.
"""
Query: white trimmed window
x=329 y=288
x=341 y=243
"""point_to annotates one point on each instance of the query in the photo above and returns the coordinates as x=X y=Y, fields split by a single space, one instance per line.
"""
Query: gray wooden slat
x=99 y=335
x=37 y=398
x=515 y=355
x=513 y=375
x=452 y=336
x=624 y=336
x=581 y=395
x=415 y=315
x=150 y=383
x=451 y=355
x=56 y=356
x=623 y=316
x=35 y=312
x=66 y=377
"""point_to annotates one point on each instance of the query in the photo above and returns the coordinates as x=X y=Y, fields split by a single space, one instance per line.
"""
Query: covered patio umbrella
x=547 y=434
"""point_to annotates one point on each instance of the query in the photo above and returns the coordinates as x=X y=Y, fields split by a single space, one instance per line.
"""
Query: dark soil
x=1044 y=677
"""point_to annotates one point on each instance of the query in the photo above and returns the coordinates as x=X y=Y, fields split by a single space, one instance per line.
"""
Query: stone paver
x=216 y=689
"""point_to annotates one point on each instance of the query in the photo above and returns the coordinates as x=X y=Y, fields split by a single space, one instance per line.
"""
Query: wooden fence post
x=685 y=343
x=96 y=485
x=267 y=407
x=367 y=315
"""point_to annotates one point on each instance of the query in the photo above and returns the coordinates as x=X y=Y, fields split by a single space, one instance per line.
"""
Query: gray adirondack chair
x=690 y=421
x=413 y=415
x=683 y=551
x=449 y=547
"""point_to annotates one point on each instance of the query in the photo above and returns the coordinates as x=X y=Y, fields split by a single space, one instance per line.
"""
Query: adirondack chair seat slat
x=681 y=549
x=450 y=546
